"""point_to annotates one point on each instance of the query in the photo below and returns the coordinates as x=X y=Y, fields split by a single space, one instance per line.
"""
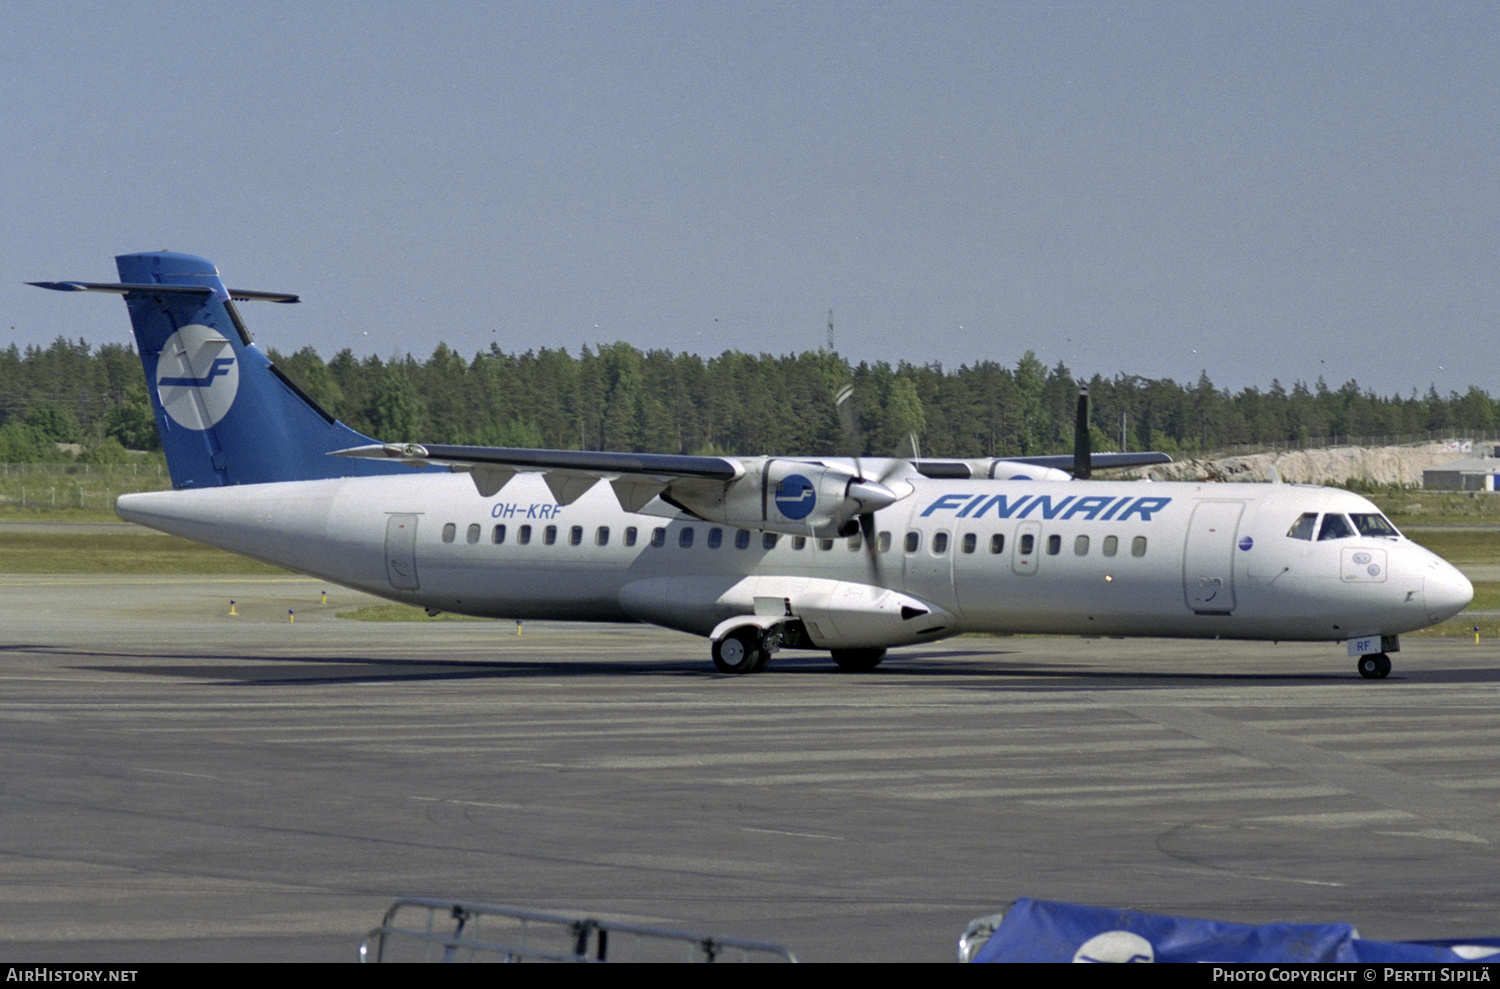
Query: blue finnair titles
x=1101 y=508
x=225 y=413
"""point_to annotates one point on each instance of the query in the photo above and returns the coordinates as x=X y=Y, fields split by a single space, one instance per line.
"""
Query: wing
x=799 y=497
x=1101 y=461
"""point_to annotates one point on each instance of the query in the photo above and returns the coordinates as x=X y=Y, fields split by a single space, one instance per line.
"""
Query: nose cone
x=1446 y=591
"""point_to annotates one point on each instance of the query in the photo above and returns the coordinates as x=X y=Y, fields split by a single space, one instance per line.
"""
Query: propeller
x=1082 y=440
x=864 y=489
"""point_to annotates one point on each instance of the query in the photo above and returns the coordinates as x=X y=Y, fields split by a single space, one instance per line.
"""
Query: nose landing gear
x=1375 y=667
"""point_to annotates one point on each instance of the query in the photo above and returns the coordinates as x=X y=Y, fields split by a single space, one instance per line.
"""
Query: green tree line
x=616 y=397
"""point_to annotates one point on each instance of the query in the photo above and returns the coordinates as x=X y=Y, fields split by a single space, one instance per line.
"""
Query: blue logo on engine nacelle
x=796 y=497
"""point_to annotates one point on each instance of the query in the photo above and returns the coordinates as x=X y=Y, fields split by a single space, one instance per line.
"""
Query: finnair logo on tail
x=221 y=366
x=197 y=376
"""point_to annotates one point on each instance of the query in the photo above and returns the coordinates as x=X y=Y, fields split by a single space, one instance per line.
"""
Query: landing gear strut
x=1375 y=667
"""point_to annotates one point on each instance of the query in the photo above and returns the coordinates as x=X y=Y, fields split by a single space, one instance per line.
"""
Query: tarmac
x=183 y=784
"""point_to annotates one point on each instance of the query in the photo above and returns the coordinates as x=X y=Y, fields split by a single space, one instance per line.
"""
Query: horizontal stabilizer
x=121 y=288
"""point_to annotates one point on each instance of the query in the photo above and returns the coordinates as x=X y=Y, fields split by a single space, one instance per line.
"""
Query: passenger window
x=913 y=540
x=1111 y=545
x=658 y=537
x=798 y=542
x=1138 y=546
x=601 y=536
x=825 y=544
x=939 y=543
x=1335 y=527
x=630 y=535
x=883 y=544
x=715 y=538
x=523 y=535
x=1303 y=527
x=685 y=537
x=855 y=542
x=768 y=540
x=742 y=539
x=473 y=534
x=1027 y=546
x=997 y=543
x=971 y=542
x=1054 y=545
x=497 y=535
x=575 y=536
x=1081 y=546
x=549 y=535
x=449 y=531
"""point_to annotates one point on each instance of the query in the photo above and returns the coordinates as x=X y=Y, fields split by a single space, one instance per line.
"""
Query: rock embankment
x=1398 y=465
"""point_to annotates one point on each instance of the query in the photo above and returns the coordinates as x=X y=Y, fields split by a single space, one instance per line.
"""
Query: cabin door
x=401 y=551
x=1208 y=563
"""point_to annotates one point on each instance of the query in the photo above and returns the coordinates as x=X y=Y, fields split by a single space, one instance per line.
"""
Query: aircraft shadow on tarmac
x=983 y=668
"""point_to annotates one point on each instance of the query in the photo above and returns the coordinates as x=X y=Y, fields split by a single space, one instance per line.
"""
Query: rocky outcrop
x=1391 y=465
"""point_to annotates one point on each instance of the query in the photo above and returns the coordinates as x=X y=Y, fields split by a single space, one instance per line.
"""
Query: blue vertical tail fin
x=225 y=413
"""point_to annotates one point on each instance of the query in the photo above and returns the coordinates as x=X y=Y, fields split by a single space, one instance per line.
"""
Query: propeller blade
x=907 y=449
x=843 y=400
x=878 y=495
x=867 y=530
x=1083 y=465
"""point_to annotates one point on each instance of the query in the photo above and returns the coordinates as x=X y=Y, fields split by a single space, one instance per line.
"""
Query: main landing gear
x=1375 y=667
x=748 y=648
x=742 y=650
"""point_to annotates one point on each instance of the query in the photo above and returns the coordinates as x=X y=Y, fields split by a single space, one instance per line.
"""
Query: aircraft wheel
x=858 y=660
x=1376 y=667
x=740 y=651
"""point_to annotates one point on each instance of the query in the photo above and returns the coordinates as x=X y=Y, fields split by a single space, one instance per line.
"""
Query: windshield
x=1374 y=524
x=1303 y=527
x=1335 y=527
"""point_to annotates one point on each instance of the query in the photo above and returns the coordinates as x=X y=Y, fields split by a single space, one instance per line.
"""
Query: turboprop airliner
x=758 y=554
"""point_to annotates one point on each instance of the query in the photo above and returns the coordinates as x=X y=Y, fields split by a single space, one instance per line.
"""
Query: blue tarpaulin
x=1043 y=931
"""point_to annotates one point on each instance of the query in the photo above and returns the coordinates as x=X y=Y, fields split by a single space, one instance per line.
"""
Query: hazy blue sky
x=1259 y=190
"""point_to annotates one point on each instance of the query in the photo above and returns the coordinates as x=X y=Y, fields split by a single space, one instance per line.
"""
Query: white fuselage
x=1079 y=557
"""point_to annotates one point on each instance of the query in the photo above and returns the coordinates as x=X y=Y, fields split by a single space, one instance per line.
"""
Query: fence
x=75 y=485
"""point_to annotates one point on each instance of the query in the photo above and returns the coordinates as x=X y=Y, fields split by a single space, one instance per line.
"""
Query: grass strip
x=118 y=553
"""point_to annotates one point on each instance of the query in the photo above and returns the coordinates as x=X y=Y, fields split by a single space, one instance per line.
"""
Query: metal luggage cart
x=418 y=929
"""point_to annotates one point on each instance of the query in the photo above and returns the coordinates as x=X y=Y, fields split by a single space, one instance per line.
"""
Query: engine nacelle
x=797 y=497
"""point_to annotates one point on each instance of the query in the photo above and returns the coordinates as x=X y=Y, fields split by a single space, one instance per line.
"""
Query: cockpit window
x=1303 y=527
x=1374 y=524
x=1335 y=527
